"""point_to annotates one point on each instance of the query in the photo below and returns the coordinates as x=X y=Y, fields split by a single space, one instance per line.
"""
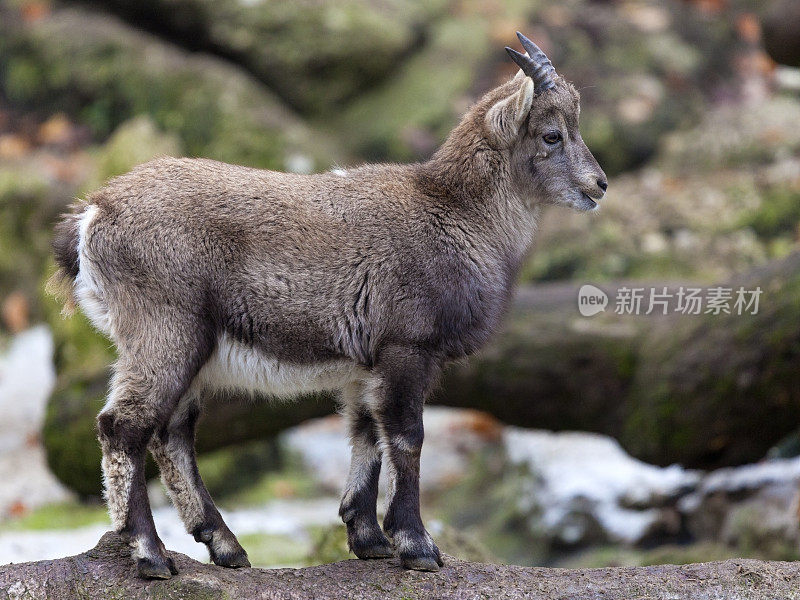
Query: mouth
x=588 y=203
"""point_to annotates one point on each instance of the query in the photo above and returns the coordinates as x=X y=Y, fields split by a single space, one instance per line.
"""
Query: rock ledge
x=106 y=572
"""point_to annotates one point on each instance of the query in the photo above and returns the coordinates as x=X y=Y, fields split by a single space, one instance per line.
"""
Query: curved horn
x=535 y=65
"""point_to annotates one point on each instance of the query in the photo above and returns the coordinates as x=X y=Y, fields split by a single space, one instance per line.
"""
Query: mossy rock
x=28 y=205
x=329 y=544
x=103 y=73
x=69 y=434
x=643 y=69
x=407 y=116
x=714 y=390
x=133 y=142
x=487 y=519
x=733 y=137
x=315 y=55
x=546 y=371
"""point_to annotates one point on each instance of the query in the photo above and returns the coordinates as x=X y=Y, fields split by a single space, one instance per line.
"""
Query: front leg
x=406 y=377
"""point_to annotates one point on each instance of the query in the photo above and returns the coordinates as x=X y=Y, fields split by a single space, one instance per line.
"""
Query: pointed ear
x=504 y=119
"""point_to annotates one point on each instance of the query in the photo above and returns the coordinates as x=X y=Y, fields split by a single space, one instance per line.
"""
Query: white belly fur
x=235 y=366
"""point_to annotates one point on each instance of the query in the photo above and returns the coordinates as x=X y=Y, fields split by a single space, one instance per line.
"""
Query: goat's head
x=535 y=121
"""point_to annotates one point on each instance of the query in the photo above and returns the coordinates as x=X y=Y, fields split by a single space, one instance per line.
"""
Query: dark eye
x=552 y=138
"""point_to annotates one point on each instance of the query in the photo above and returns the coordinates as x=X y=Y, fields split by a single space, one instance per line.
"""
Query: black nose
x=602 y=184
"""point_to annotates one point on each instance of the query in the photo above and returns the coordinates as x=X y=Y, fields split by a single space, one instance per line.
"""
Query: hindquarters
x=65 y=251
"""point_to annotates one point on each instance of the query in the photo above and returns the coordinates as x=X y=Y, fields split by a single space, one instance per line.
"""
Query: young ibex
x=365 y=280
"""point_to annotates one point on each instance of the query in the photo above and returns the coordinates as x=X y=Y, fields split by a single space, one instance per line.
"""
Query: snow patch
x=278 y=517
x=27 y=377
x=584 y=477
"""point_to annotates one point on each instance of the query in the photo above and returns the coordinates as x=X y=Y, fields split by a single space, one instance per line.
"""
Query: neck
x=472 y=180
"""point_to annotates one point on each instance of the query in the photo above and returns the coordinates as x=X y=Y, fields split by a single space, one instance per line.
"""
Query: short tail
x=65 y=249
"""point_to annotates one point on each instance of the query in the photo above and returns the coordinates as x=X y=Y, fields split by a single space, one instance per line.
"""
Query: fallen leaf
x=17 y=509
x=34 y=11
x=15 y=312
x=13 y=146
x=57 y=130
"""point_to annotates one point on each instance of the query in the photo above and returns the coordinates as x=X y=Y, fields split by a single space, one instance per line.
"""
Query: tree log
x=107 y=571
x=715 y=390
x=780 y=25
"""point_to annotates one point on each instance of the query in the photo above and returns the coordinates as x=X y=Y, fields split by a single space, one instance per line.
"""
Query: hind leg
x=160 y=352
x=125 y=426
x=358 y=507
x=173 y=449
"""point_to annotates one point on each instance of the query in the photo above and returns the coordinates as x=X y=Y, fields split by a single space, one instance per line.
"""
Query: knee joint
x=122 y=434
x=410 y=439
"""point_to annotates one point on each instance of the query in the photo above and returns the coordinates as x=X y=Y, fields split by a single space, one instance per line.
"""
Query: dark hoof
x=147 y=568
x=237 y=559
x=422 y=563
x=380 y=550
x=367 y=541
x=223 y=547
x=171 y=565
x=232 y=561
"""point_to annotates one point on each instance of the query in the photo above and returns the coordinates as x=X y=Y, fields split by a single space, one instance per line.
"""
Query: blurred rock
x=29 y=202
x=313 y=54
x=753 y=507
x=716 y=390
x=735 y=136
x=26 y=378
x=554 y=493
x=13 y=146
x=781 y=24
x=452 y=437
x=101 y=71
x=132 y=143
x=718 y=197
x=390 y=79
x=409 y=115
x=586 y=489
x=573 y=490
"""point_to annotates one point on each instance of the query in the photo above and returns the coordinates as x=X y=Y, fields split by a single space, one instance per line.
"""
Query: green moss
x=24 y=79
x=421 y=101
x=329 y=544
x=281 y=484
x=705 y=383
x=68 y=434
x=778 y=215
x=486 y=522
x=265 y=550
x=132 y=143
x=253 y=473
x=28 y=204
x=617 y=556
x=354 y=43
x=753 y=537
x=65 y=515
x=104 y=74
